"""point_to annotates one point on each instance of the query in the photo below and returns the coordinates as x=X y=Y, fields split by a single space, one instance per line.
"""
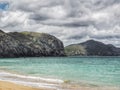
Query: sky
x=72 y=21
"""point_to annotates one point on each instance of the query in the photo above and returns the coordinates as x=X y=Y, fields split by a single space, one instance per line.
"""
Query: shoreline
x=12 y=81
x=26 y=80
x=5 y=85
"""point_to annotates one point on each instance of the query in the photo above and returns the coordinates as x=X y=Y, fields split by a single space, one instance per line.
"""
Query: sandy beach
x=12 y=86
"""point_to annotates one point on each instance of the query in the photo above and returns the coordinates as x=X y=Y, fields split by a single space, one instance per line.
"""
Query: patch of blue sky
x=4 y=5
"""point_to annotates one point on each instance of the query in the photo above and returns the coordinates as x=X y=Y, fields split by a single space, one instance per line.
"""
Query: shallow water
x=85 y=70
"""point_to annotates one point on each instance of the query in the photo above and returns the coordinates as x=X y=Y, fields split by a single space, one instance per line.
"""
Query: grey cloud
x=106 y=37
x=69 y=24
x=38 y=17
x=76 y=37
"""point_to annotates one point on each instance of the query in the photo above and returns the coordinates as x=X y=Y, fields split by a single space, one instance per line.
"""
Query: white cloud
x=56 y=12
x=72 y=21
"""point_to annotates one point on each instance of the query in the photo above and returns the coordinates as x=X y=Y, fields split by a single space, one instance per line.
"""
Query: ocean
x=96 y=71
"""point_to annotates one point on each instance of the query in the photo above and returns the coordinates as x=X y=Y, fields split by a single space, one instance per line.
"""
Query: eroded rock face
x=29 y=44
x=92 y=48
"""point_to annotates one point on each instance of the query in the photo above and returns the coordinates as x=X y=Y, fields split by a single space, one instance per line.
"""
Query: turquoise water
x=91 y=70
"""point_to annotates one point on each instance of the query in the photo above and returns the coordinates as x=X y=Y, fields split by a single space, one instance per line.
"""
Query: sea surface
x=80 y=70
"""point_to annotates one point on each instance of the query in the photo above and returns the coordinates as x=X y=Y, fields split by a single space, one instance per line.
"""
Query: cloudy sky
x=72 y=21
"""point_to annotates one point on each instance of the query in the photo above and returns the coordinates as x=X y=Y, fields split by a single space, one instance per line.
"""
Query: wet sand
x=12 y=86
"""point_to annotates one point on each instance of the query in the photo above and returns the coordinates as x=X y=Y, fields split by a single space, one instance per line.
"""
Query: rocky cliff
x=29 y=44
x=92 y=48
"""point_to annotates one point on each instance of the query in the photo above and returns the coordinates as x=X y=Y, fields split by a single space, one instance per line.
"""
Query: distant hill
x=92 y=48
x=29 y=44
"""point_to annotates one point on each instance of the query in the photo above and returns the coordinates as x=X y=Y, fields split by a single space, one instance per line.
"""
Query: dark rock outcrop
x=29 y=44
x=92 y=48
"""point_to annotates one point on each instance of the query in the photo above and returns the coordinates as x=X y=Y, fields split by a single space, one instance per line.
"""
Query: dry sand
x=11 y=86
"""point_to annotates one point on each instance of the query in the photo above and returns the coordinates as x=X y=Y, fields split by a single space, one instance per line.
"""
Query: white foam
x=31 y=77
x=30 y=80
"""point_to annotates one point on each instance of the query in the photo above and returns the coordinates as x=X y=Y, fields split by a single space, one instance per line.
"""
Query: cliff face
x=92 y=48
x=29 y=44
